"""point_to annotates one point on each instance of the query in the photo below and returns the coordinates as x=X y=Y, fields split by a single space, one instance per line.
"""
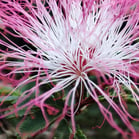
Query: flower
x=86 y=46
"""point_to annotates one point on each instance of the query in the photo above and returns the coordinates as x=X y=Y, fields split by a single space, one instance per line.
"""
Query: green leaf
x=79 y=134
x=9 y=98
x=33 y=123
x=63 y=130
x=6 y=90
x=27 y=86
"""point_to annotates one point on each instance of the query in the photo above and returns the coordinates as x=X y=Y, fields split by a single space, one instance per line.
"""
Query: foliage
x=88 y=121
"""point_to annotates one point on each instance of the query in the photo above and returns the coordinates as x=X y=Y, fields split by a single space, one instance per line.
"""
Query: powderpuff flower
x=83 y=46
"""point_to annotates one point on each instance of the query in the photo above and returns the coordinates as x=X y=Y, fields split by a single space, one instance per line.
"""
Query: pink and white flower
x=73 y=40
